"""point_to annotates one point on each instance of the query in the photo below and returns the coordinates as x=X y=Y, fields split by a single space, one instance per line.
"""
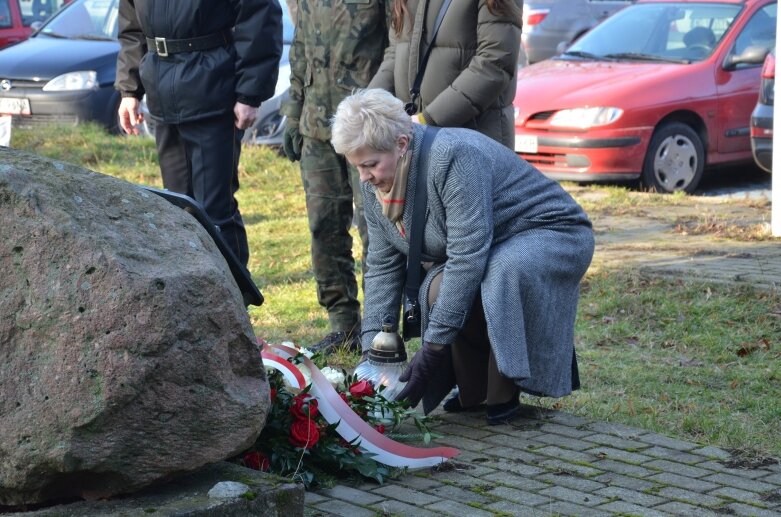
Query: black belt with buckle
x=165 y=46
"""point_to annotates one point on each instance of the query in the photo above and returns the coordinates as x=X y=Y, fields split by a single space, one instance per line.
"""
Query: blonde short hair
x=372 y=119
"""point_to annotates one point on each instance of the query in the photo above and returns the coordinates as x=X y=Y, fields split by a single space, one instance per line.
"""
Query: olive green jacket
x=471 y=74
x=337 y=47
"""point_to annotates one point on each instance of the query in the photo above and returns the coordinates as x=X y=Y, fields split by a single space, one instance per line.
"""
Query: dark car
x=65 y=73
x=549 y=25
x=762 y=116
x=18 y=18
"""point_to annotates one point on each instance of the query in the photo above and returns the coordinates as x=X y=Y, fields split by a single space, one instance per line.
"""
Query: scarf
x=393 y=202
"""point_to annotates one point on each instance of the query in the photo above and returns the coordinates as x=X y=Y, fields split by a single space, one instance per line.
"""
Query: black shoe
x=339 y=339
x=453 y=405
x=504 y=413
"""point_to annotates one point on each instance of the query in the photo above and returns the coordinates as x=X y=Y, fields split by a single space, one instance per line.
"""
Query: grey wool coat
x=494 y=224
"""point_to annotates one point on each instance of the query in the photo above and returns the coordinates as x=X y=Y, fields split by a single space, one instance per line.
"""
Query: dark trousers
x=474 y=365
x=332 y=188
x=201 y=159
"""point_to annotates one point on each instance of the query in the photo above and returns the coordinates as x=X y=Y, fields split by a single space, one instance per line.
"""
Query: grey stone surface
x=697 y=485
x=572 y=496
x=519 y=496
x=687 y=510
x=752 y=511
x=625 y=508
x=737 y=494
x=127 y=352
x=631 y=496
x=228 y=490
x=740 y=482
x=344 y=509
x=352 y=495
x=269 y=496
x=407 y=495
x=394 y=507
x=457 y=509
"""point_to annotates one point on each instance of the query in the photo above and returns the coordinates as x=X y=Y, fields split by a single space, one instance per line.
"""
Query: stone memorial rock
x=126 y=353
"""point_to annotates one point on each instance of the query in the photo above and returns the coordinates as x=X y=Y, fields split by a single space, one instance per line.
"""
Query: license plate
x=526 y=144
x=11 y=106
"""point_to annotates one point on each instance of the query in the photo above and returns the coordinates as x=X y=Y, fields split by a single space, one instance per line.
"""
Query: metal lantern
x=387 y=360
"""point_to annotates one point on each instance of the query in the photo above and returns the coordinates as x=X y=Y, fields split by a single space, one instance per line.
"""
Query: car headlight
x=72 y=81
x=584 y=118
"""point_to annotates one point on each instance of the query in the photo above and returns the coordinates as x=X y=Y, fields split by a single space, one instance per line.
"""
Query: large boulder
x=126 y=353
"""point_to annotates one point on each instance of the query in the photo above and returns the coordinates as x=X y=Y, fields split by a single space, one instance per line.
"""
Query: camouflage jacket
x=337 y=47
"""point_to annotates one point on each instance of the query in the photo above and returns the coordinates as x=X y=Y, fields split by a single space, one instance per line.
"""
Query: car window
x=86 y=19
x=674 y=31
x=5 y=14
x=760 y=31
x=38 y=10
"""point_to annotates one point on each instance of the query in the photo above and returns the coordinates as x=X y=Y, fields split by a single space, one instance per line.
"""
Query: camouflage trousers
x=332 y=187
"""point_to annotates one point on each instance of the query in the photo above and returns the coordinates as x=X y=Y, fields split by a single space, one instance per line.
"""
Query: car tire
x=675 y=159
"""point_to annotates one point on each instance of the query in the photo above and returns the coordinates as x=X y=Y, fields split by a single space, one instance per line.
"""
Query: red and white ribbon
x=350 y=425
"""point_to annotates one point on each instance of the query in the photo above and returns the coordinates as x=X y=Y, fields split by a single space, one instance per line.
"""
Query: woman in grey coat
x=505 y=247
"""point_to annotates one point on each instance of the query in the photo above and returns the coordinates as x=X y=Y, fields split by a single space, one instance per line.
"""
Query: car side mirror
x=751 y=56
x=36 y=25
x=561 y=47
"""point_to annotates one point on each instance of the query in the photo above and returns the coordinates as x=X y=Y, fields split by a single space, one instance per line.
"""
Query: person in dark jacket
x=504 y=250
x=205 y=67
x=469 y=80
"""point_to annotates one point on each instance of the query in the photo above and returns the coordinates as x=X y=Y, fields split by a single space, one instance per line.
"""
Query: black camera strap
x=419 y=204
x=411 y=107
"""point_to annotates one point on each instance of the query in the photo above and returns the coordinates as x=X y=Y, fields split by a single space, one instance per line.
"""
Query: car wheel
x=675 y=159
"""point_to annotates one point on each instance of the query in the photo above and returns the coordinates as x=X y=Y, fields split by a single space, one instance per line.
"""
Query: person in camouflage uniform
x=337 y=47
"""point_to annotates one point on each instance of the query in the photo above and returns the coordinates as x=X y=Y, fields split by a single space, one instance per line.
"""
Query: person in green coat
x=470 y=77
x=337 y=47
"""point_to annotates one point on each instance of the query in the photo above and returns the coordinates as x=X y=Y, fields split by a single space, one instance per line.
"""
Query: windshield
x=85 y=19
x=97 y=19
x=671 y=32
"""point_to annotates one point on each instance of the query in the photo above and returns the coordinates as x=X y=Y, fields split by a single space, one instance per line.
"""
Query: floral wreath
x=326 y=423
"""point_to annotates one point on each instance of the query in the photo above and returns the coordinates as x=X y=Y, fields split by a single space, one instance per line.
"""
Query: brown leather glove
x=420 y=370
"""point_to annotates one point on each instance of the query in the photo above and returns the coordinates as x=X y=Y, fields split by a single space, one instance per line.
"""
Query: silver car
x=549 y=26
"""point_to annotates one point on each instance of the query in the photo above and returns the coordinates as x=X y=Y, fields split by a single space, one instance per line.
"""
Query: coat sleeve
x=257 y=37
x=384 y=280
x=132 y=47
x=295 y=103
x=384 y=78
x=468 y=202
x=487 y=75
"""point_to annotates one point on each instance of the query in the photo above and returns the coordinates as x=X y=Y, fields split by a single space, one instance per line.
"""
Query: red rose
x=304 y=434
x=272 y=394
x=361 y=389
x=256 y=460
x=304 y=407
x=344 y=397
x=380 y=428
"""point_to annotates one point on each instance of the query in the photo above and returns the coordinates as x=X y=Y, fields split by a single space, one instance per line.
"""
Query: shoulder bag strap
x=420 y=203
x=412 y=106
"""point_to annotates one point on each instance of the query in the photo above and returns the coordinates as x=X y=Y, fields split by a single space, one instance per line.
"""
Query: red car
x=18 y=16
x=656 y=92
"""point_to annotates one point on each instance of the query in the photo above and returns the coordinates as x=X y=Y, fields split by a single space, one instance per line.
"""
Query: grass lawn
x=690 y=359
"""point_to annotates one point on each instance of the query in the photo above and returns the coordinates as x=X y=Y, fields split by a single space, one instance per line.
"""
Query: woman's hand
x=420 y=370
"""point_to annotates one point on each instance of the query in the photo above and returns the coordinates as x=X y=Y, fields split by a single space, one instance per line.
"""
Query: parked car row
x=65 y=73
x=18 y=18
x=656 y=92
x=549 y=25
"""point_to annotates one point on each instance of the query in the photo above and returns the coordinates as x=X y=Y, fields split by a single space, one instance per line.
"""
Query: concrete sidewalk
x=554 y=463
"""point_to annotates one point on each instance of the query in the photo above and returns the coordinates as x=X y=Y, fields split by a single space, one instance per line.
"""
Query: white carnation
x=334 y=376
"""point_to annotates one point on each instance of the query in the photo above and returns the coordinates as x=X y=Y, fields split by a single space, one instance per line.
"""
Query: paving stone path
x=554 y=463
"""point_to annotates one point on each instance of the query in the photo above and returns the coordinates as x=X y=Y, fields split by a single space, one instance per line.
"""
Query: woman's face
x=379 y=167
